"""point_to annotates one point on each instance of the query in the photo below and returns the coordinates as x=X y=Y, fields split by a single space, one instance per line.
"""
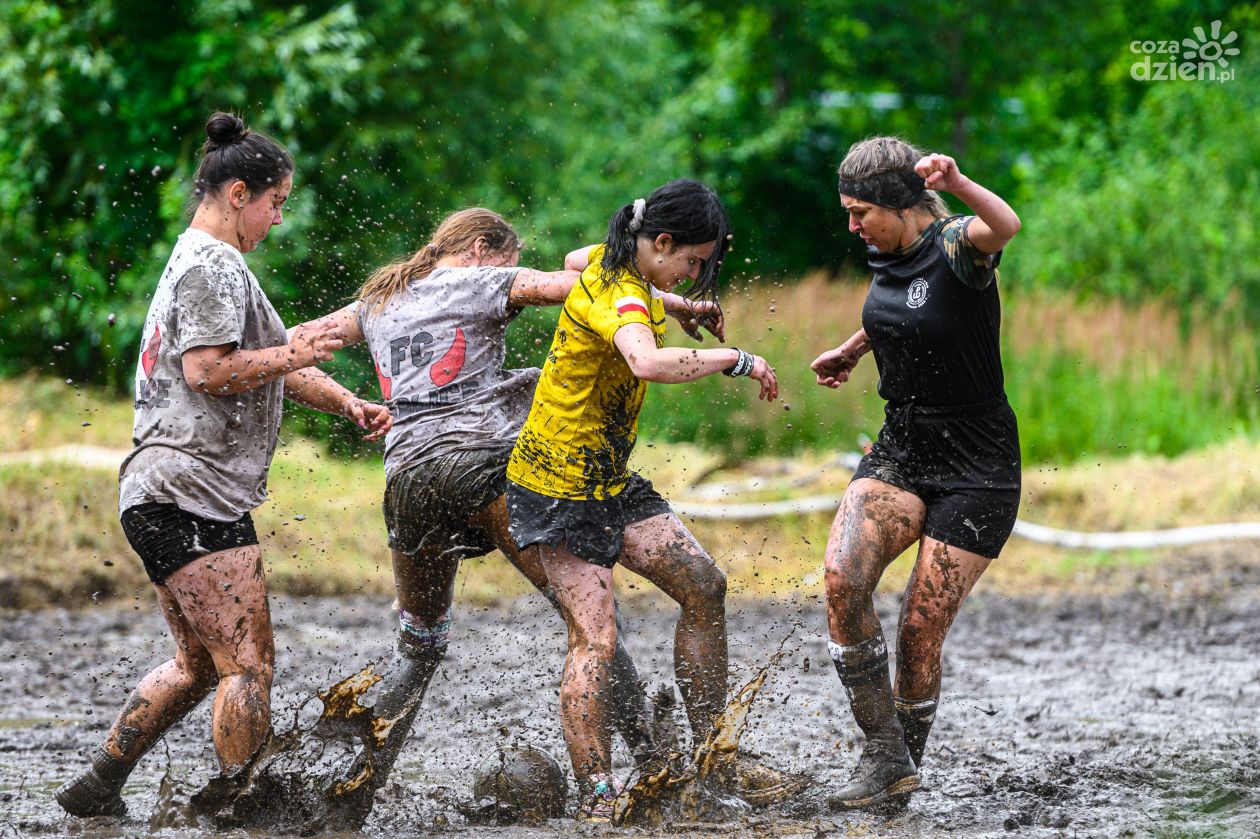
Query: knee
x=201 y=676
x=711 y=583
x=705 y=587
x=196 y=671
x=258 y=675
x=845 y=584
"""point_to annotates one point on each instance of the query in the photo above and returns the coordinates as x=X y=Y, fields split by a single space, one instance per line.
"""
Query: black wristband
x=743 y=364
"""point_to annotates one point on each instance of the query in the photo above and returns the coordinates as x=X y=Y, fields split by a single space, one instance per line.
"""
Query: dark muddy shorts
x=963 y=461
x=168 y=538
x=427 y=506
x=591 y=530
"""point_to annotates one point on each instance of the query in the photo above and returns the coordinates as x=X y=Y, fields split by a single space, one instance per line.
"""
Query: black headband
x=900 y=189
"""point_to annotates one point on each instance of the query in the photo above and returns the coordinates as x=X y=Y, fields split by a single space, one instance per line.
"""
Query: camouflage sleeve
x=976 y=270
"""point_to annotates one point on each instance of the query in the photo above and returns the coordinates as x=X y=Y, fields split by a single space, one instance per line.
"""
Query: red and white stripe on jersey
x=626 y=305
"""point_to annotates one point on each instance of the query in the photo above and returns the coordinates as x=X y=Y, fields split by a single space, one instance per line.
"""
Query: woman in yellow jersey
x=571 y=494
x=436 y=324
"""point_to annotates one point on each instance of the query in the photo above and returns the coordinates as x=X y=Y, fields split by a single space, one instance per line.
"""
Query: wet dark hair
x=234 y=153
x=687 y=210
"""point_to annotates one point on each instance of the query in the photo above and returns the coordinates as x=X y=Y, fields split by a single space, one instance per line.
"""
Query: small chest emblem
x=916 y=296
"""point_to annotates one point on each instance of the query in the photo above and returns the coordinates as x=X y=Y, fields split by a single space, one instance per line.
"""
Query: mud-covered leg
x=631 y=711
x=943 y=576
x=426 y=589
x=224 y=597
x=876 y=522
x=585 y=594
x=162 y=698
x=661 y=550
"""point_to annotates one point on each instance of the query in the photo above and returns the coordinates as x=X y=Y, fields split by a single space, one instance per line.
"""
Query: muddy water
x=1061 y=715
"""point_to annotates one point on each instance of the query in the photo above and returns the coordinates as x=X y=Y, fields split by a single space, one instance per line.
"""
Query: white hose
x=102 y=458
x=1102 y=541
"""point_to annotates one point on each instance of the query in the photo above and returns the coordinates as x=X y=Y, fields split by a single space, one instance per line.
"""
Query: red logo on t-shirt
x=446 y=368
x=387 y=384
x=148 y=358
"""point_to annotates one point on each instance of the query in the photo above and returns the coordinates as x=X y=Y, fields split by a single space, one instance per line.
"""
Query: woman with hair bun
x=572 y=498
x=945 y=471
x=215 y=363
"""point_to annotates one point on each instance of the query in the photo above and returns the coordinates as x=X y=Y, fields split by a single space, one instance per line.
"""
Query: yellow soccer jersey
x=577 y=440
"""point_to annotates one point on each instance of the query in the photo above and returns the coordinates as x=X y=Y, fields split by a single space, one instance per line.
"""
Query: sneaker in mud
x=761 y=785
x=599 y=806
x=87 y=795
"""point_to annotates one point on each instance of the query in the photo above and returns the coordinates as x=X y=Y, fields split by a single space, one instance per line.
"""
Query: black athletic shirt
x=933 y=318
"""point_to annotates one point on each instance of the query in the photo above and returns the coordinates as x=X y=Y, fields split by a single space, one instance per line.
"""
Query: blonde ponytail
x=458 y=232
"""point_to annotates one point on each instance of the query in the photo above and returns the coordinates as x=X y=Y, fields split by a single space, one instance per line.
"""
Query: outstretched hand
x=702 y=313
x=940 y=172
x=763 y=373
x=832 y=368
x=372 y=416
x=315 y=342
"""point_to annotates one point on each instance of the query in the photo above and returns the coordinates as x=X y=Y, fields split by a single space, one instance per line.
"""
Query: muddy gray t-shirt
x=206 y=454
x=439 y=348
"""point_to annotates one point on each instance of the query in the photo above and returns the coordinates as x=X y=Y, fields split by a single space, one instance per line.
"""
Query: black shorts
x=962 y=461
x=427 y=506
x=591 y=530
x=168 y=538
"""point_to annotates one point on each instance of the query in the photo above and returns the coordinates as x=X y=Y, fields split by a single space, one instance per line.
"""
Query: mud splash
x=673 y=789
x=302 y=781
x=1061 y=715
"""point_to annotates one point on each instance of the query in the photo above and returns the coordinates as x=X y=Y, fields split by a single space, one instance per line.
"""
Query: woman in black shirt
x=945 y=470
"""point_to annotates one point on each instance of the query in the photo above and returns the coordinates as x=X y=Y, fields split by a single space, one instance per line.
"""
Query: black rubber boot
x=916 y=717
x=97 y=790
x=884 y=773
x=402 y=692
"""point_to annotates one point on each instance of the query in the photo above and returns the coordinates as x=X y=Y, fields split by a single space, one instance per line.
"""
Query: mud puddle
x=1061 y=715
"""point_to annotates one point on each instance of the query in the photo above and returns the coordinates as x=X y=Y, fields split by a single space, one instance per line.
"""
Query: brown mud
x=1061 y=714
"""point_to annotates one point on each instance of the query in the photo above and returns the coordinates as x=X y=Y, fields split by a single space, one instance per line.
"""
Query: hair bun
x=225 y=129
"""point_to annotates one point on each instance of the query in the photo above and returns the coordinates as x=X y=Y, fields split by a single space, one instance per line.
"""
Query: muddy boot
x=402 y=693
x=885 y=772
x=760 y=784
x=97 y=790
x=916 y=717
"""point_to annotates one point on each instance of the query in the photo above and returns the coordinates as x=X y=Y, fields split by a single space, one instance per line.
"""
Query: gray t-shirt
x=439 y=347
x=206 y=454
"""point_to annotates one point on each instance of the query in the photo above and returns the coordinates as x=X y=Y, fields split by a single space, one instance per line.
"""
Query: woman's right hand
x=832 y=368
x=763 y=373
x=315 y=342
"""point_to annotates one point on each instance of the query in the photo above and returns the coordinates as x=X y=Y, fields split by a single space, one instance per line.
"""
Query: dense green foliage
x=556 y=114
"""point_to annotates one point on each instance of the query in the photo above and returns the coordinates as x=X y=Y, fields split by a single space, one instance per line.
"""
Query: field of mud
x=1062 y=715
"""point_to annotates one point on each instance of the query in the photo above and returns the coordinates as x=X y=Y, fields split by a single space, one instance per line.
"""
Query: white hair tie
x=640 y=205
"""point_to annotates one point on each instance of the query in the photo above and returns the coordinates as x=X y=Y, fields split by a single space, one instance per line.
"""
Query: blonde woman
x=436 y=325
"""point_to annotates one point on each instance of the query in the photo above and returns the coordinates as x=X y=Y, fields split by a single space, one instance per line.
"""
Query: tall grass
x=1087 y=378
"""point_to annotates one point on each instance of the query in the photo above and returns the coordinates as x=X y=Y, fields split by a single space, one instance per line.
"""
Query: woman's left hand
x=940 y=173
x=701 y=313
x=372 y=416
